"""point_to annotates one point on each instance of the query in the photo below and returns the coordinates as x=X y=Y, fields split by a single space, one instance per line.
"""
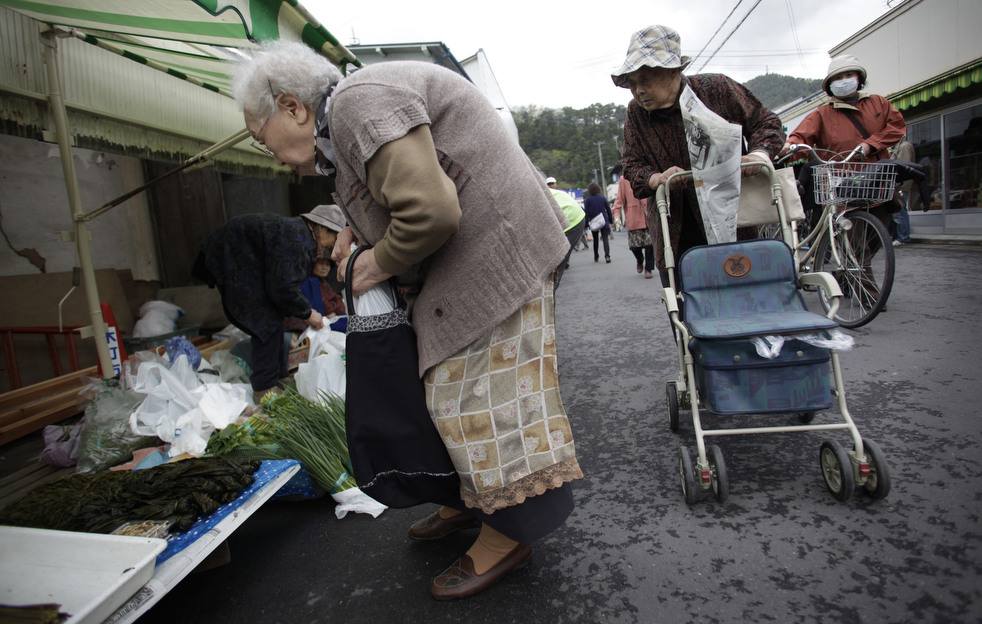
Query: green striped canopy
x=958 y=78
x=187 y=38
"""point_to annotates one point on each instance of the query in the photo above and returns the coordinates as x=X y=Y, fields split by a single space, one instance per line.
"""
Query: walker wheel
x=688 y=476
x=717 y=471
x=837 y=470
x=877 y=484
x=805 y=418
x=672 y=398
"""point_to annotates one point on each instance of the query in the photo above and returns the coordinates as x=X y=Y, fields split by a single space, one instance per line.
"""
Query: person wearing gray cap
x=655 y=145
x=258 y=262
x=852 y=118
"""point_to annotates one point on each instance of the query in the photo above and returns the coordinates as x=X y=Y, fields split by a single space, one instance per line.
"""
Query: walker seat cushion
x=741 y=289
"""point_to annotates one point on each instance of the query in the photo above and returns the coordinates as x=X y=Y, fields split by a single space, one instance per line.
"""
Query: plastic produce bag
x=106 y=438
x=353 y=499
x=230 y=334
x=230 y=368
x=61 y=444
x=324 y=373
x=168 y=397
x=179 y=409
x=770 y=346
x=156 y=318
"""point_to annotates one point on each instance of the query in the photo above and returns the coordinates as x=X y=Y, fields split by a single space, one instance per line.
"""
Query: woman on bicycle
x=853 y=118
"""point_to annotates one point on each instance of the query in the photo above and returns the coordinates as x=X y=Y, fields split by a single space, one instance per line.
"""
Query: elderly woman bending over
x=427 y=175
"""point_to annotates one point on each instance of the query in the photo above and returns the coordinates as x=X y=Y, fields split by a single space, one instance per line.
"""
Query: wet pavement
x=780 y=549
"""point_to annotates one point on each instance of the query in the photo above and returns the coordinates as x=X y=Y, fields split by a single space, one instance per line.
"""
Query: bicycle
x=848 y=241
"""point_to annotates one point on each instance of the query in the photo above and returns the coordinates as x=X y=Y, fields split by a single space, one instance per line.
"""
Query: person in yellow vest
x=574 y=213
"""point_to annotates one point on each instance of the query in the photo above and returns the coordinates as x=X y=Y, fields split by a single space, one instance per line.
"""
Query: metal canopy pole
x=82 y=243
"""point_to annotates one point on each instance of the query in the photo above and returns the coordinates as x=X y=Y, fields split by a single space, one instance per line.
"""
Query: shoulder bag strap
x=853 y=116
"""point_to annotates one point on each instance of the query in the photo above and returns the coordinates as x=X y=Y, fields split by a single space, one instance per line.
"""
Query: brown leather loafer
x=433 y=527
x=460 y=580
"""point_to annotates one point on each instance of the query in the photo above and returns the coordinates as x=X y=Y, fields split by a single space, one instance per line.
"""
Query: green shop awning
x=186 y=37
x=117 y=102
x=960 y=78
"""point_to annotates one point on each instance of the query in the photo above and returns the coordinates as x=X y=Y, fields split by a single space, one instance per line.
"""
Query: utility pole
x=600 y=153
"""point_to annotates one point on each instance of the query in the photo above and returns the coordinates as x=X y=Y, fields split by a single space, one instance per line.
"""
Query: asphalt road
x=781 y=549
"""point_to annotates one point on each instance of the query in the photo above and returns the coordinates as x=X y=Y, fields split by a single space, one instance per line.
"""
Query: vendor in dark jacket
x=259 y=262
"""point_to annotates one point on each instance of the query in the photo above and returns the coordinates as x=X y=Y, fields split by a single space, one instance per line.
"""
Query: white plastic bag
x=353 y=499
x=378 y=300
x=182 y=411
x=324 y=373
x=324 y=340
x=156 y=318
x=770 y=346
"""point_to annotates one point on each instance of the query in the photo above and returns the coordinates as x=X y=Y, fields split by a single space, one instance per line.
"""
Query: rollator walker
x=727 y=295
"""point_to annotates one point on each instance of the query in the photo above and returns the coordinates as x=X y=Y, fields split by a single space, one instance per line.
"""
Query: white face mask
x=844 y=87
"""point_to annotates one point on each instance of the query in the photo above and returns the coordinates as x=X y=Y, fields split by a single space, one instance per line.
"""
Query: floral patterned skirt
x=636 y=239
x=497 y=407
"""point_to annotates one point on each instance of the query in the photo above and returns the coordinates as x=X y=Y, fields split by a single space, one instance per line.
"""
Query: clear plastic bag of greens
x=106 y=439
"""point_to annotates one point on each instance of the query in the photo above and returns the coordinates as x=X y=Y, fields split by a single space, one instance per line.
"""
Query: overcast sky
x=553 y=54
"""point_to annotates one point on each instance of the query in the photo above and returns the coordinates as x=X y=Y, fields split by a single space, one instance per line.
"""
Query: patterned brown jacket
x=655 y=141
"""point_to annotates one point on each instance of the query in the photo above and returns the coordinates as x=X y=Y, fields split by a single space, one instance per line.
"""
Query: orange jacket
x=828 y=127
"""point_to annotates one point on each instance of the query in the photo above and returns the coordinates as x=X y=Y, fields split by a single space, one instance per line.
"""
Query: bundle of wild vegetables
x=312 y=433
x=251 y=439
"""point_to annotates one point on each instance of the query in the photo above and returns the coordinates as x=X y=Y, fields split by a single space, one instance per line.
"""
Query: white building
x=925 y=56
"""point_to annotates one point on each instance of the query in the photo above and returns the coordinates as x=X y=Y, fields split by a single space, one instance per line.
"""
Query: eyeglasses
x=257 y=142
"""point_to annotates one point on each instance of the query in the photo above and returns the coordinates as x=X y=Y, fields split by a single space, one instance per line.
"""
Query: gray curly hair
x=282 y=67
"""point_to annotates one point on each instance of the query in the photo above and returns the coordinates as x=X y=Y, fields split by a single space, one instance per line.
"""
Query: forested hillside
x=569 y=144
x=773 y=90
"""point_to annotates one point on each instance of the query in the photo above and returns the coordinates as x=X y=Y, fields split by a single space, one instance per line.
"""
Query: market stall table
x=182 y=552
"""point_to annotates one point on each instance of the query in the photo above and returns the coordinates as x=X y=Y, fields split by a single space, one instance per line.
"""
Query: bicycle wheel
x=769 y=230
x=863 y=266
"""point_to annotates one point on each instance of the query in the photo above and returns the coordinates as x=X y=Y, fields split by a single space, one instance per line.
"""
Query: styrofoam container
x=90 y=575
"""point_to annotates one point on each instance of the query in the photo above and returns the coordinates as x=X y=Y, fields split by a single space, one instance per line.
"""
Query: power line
x=739 y=2
x=794 y=32
x=735 y=28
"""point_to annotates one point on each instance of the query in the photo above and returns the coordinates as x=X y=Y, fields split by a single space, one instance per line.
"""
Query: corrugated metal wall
x=113 y=101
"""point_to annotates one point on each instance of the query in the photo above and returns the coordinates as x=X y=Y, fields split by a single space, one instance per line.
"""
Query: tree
x=773 y=90
x=563 y=142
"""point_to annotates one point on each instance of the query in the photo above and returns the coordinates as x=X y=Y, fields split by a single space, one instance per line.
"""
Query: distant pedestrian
x=595 y=204
x=638 y=235
x=900 y=223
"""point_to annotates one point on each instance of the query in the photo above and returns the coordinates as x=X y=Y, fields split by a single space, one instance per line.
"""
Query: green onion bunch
x=312 y=433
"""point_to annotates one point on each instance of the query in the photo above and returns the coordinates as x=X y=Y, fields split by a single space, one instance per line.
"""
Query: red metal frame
x=49 y=333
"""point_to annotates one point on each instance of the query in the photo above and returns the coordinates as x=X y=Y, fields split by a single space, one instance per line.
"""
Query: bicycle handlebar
x=801 y=146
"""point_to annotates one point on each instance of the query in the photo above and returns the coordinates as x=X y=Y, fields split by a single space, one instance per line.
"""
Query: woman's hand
x=315 y=319
x=657 y=179
x=364 y=275
x=342 y=246
x=753 y=157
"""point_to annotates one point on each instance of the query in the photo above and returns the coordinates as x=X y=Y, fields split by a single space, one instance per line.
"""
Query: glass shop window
x=925 y=136
x=963 y=135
